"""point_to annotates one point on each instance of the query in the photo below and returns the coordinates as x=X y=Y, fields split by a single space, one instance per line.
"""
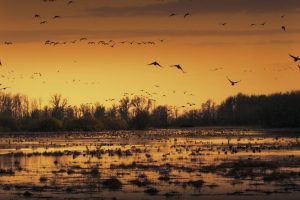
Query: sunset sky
x=258 y=55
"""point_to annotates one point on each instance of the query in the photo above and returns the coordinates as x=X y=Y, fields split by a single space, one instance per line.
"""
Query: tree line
x=18 y=113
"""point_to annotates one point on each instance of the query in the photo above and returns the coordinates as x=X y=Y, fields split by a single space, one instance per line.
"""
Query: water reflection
x=164 y=164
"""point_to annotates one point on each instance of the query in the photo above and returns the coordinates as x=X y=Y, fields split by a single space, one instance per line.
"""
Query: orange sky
x=256 y=55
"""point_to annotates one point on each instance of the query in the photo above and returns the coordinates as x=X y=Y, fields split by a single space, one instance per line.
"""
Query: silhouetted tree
x=58 y=106
x=17 y=113
x=124 y=108
x=99 y=112
x=160 y=117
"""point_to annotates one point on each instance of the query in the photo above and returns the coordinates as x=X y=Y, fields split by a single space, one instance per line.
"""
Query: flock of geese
x=109 y=43
x=155 y=63
x=112 y=43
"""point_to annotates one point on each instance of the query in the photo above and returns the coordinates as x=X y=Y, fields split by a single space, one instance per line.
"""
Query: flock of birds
x=155 y=63
x=109 y=43
x=113 y=43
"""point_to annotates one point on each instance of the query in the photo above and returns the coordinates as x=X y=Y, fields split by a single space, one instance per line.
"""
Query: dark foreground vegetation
x=18 y=113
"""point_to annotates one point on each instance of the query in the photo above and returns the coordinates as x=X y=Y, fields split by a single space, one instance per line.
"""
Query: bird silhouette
x=283 y=28
x=4 y=88
x=37 y=16
x=8 y=43
x=43 y=22
x=155 y=63
x=224 y=24
x=216 y=69
x=56 y=17
x=172 y=15
x=233 y=82
x=262 y=24
x=296 y=58
x=186 y=15
x=252 y=25
x=178 y=67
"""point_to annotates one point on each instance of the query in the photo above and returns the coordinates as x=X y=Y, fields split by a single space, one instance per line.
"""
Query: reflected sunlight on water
x=162 y=164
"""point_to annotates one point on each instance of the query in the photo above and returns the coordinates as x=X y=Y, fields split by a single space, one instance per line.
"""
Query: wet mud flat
x=214 y=163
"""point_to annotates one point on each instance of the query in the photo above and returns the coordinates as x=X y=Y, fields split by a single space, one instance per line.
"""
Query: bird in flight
x=232 y=82
x=37 y=16
x=224 y=24
x=262 y=24
x=172 y=15
x=283 y=28
x=4 y=88
x=178 y=67
x=56 y=17
x=186 y=15
x=252 y=25
x=216 y=69
x=296 y=58
x=155 y=63
x=43 y=22
x=8 y=43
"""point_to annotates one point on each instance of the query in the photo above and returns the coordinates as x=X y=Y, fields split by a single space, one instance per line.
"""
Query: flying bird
x=186 y=14
x=8 y=43
x=4 y=88
x=155 y=63
x=224 y=24
x=296 y=58
x=43 y=22
x=283 y=28
x=252 y=25
x=178 y=67
x=56 y=17
x=262 y=24
x=233 y=82
x=172 y=15
x=216 y=69
x=37 y=16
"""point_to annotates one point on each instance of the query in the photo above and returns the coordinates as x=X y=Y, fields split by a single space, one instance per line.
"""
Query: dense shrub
x=8 y=123
x=50 y=124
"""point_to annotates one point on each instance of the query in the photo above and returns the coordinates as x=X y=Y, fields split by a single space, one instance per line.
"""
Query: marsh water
x=208 y=163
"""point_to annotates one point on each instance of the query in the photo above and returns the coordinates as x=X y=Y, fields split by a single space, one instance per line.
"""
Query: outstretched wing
x=294 y=57
x=229 y=80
